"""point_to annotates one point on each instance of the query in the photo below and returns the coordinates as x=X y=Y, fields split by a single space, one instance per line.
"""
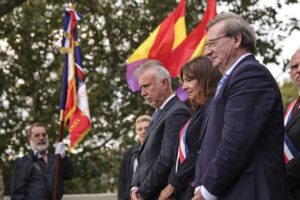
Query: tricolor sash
x=182 y=148
x=289 y=150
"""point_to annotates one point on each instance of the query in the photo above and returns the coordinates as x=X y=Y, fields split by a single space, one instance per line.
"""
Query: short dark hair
x=207 y=76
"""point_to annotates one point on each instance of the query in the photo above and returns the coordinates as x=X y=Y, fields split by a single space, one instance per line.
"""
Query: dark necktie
x=156 y=114
x=296 y=107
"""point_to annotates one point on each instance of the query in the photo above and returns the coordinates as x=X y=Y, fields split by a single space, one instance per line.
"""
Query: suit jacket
x=240 y=156
x=292 y=130
x=156 y=153
x=126 y=173
x=182 y=178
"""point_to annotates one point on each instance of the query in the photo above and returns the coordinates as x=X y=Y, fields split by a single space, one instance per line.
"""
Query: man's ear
x=165 y=83
x=237 y=40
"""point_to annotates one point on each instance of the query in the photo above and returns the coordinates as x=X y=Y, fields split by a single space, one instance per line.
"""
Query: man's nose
x=143 y=92
x=207 y=51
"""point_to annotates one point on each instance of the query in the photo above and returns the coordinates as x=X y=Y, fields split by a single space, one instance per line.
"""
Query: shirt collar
x=230 y=69
x=166 y=101
x=37 y=154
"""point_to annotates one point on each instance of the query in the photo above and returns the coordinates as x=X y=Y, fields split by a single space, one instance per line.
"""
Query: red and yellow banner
x=160 y=44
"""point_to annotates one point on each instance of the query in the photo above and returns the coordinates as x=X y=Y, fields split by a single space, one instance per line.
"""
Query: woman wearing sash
x=199 y=80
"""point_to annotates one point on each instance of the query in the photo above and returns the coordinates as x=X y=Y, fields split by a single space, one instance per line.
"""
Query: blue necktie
x=221 y=83
x=156 y=114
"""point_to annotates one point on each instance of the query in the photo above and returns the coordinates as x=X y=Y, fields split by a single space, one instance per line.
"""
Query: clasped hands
x=168 y=193
x=135 y=195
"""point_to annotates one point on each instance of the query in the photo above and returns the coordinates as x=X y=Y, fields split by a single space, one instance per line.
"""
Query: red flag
x=74 y=99
x=193 y=45
x=159 y=45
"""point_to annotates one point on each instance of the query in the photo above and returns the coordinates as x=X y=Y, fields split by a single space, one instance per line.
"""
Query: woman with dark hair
x=200 y=81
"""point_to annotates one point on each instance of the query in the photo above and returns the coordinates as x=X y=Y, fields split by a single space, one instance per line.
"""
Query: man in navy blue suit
x=241 y=152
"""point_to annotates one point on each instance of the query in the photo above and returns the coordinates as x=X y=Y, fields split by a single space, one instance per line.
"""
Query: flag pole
x=57 y=171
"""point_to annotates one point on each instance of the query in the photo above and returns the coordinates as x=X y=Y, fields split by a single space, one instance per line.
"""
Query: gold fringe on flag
x=65 y=50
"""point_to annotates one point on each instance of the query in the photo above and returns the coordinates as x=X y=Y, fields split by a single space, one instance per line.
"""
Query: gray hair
x=160 y=71
x=236 y=24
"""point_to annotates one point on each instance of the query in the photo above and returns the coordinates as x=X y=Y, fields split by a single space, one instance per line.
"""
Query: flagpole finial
x=72 y=5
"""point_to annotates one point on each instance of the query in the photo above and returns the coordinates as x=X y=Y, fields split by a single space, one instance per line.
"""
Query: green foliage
x=289 y=92
x=31 y=71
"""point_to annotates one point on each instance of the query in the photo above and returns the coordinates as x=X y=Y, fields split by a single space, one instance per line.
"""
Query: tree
x=9 y=5
x=31 y=71
x=289 y=92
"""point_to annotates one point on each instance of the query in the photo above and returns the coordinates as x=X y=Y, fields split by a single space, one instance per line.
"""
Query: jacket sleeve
x=67 y=168
x=20 y=177
x=122 y=176
x=158 y=175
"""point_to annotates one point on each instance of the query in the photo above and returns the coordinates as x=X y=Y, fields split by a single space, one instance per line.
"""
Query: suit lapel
x=159 y=119
x=292 y=121
x=205 y=121
x=249 y=58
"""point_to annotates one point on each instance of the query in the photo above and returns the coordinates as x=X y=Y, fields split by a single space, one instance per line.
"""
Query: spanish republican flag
x=74 y=100
x=193 y=45
x=159 y=45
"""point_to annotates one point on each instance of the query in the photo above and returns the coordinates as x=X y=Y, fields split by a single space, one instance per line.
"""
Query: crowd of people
x=230 y=139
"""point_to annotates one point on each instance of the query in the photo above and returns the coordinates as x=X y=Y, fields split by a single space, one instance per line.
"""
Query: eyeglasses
x=213 y=42
x=37 y=135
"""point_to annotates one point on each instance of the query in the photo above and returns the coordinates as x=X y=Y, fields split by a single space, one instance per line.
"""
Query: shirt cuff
x=197 y=189
x=206 y=194
x=133 y=188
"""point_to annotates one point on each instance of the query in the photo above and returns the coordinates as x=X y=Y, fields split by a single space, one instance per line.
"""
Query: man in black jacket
x=292 y=133
x=34 y=174
x=129 y=162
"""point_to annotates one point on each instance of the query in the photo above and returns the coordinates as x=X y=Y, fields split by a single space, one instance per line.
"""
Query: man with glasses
x=33 y=174
x=292 y=132
x=240 y=156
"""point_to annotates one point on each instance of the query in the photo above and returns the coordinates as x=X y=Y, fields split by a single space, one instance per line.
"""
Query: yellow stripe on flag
x=180 y=31
x=143 y=50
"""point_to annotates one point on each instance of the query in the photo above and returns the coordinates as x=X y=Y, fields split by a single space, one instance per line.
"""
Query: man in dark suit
x=129 y=162
x=292 y=130
x=240 y=157
x=156 y=154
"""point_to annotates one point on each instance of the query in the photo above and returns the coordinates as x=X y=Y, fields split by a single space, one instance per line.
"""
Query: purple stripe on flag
x=182 y=95
x=132 y=80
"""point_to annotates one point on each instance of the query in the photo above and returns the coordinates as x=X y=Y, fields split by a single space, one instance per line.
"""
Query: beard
x=40 y=147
